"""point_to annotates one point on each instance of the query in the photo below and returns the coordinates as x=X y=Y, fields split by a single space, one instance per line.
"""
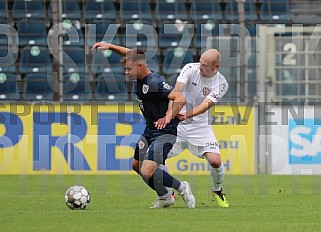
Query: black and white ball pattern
x=77 y=197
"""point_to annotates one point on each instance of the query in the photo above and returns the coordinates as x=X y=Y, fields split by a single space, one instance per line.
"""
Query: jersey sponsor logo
x=215 y=96
x=145 y=89
x=211 y=145
x=166 y=86
x=206 y=91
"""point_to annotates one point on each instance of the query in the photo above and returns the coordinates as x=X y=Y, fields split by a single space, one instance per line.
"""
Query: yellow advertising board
x=99 y=139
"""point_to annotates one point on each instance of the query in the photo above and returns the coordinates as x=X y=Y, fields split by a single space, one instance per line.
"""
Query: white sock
x=165 y=168
x=218 y=177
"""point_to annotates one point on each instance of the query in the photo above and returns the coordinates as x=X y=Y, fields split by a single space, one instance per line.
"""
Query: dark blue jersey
x=152 y=96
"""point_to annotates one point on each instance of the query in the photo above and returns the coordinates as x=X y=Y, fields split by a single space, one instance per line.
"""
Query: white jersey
x=196 y=134
x=198 y=88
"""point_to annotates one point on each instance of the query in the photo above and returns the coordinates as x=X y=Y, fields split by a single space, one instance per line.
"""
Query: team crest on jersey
x=141 y=144
x=145 y=88
x=206 y=91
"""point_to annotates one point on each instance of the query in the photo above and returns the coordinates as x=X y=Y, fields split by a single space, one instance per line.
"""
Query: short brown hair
x=134 y=54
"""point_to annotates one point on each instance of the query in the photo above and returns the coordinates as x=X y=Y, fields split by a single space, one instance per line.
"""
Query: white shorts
x=198 y=139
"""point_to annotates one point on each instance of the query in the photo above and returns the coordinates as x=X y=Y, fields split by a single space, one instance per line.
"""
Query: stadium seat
x=74 y=59
x=203 y=31
x=103 y=32
x=205 y=10
x=232 y=10
x=170 y=10
x=275 y=11
x=28 y=9
x=32 y=32
x=73 y=35
x=175 y=59
x=7 y=60
x=140 y=35
x=152 y=60
x=38 y=87
x=76 y=87
x=135 y=10
x=8 y=87
x=106 y=62
x=250 y=29
x=4 y=12
x=7 y=34
x=111 y=86
x=99 y=9
x=175 y=35
x=71 y=9
x=35 y=59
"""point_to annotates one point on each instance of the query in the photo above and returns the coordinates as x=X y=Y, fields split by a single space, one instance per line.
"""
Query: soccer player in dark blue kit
x=153 y=95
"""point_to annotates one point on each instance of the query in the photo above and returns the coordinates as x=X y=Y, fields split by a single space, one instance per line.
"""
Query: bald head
x=210 y=62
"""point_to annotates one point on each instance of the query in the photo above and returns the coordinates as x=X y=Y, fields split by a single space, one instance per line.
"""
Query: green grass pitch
x=121 y=203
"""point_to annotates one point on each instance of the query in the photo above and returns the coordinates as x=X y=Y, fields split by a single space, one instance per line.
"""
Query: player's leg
x=178 y=147
x=217 y=174
x=157 y=154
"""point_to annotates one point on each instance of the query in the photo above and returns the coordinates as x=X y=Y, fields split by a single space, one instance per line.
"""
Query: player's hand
x=162 y=122
x=181 y=117
x=101 y=46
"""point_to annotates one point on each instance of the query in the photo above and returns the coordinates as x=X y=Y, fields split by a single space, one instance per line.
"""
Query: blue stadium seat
x=38 y=87
x=76 y=87
x=205 y=10
x=74 y=35
x=7 y=34
x=250 y=29
x=135 y=10
x=152 y=60
x=106 y=62
x=74 y=59
x=111 y=87
x=203 y=31
x=8 y=87
x=232 y=10
x=71 y=9
x=275 y=11
x=140 y=35
x=4 y=11
x=103 y=32
x=175 y=59
x=28 y=9
x=170 y=10
x=35 y=59
x=7 y=60
x=32 y=32
x=99 y=9
x=173 y=35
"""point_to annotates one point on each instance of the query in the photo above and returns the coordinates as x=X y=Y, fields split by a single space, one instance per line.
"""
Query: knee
x=214 y=159
x=146 y=173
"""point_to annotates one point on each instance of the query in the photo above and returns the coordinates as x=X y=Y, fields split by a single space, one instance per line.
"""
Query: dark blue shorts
x=155 y=144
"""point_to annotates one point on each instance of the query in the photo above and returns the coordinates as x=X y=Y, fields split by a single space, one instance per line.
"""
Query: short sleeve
x=186 y=72
x=218 y=92
x=164 y=88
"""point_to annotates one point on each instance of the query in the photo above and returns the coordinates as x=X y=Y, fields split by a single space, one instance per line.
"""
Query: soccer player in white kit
x=203 y=86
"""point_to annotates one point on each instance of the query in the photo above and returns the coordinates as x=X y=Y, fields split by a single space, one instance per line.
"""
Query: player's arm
x=203 y=107
x=177 y=103
x=105 y=46
x=208 y=102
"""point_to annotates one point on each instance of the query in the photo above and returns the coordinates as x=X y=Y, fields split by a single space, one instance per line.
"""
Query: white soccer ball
x=77 y=197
